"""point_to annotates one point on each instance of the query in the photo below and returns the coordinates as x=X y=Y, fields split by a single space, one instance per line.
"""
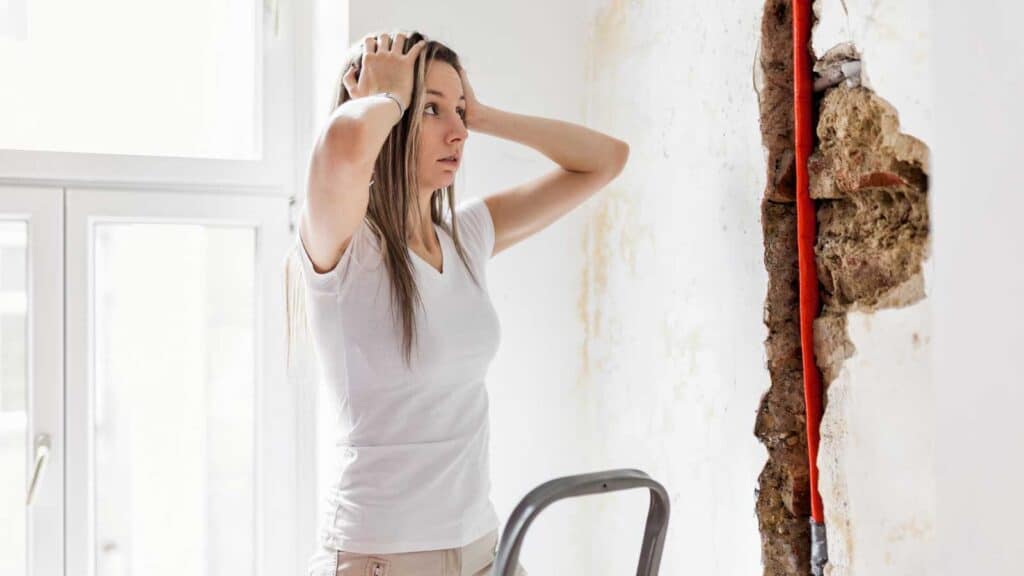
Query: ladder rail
x=582 y=485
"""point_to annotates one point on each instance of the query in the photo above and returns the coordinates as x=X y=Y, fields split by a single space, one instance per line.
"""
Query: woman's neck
x=421 y=231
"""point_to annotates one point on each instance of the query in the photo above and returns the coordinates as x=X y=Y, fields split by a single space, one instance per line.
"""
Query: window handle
x=42 y=455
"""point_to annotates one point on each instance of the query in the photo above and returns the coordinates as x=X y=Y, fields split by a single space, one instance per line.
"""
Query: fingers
x=384 y=43
x=416 y=48
x=349 y=80
x=399 y=45
x=382 y=60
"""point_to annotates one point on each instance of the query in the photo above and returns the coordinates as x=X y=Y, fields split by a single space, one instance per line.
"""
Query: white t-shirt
x=412 y=448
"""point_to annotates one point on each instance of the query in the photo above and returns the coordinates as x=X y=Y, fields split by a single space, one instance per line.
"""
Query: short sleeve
x=331 y=281
x=476 y=227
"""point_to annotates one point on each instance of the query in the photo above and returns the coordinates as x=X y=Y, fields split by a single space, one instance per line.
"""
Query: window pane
x=174 y=399
x=138 y=77
x=13 y=395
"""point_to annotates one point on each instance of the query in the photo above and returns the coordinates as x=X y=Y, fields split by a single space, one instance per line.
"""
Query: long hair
x=393 y=197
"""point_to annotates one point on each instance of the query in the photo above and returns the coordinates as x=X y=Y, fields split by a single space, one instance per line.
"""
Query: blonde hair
x=393 y=196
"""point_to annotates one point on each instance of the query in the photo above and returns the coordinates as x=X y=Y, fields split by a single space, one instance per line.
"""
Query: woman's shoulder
x=475 y=227
x=365 y=245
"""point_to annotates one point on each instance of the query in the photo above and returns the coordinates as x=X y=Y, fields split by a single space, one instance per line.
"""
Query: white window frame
x=277 y=551
x=140 y=184
x=272 y=174
x=42 y=208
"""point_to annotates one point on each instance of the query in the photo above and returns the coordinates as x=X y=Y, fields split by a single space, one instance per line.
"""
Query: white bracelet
x=401 y=111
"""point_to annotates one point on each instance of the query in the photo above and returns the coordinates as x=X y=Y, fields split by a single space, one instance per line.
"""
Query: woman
x=394 y=272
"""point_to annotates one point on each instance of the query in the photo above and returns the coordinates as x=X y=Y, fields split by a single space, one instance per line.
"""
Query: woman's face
x=443 y=129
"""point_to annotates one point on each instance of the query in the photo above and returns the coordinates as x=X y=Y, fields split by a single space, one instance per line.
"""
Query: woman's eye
x=461 y=111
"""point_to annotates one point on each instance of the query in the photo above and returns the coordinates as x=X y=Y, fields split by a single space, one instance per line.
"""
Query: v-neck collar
x=441 y=241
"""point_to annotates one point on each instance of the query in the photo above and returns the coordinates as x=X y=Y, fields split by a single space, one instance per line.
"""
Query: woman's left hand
x=474 y=109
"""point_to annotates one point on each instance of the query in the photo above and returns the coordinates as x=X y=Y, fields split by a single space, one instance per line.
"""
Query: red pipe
x=806 y=233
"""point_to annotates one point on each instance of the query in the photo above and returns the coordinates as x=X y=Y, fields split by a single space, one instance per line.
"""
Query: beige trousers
x=473 y=559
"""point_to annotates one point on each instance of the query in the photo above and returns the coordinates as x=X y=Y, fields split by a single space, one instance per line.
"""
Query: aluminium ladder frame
x=581 y=485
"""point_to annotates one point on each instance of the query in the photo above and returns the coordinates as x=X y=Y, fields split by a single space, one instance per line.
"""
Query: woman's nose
x=457 y=133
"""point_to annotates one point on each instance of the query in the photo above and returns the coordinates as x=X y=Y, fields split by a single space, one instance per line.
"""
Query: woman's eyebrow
x=438 y=93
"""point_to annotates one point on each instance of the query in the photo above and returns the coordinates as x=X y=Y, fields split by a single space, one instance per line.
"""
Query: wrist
x=479 y=117
x=401 y=100
x=396 y=101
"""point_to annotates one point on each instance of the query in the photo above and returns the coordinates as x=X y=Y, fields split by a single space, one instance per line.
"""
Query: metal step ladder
x=581 y=485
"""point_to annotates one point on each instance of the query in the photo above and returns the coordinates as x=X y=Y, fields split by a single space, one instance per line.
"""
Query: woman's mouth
x=450 y=161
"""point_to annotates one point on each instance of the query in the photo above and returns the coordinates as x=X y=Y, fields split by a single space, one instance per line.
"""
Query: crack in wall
x=869 y=182
x=783 y=493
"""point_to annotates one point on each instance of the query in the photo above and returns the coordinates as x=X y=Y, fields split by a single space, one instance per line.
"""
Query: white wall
x=674 y=280
x=632 y=329
x=877 y=455
x=977 y=204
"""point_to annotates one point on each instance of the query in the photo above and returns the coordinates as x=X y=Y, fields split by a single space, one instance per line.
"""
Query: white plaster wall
x=977 y=206
x=674 y=282
x=876 y=460
x=877 y=453
x=632 y=331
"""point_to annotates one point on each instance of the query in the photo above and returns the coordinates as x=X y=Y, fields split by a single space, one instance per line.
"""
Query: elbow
x=620 y=156
x=623 y=150
x=344 y=140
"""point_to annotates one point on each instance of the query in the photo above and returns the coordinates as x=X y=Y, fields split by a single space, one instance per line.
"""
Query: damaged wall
x=869 y=175
x=783 y=493
x=872 y=337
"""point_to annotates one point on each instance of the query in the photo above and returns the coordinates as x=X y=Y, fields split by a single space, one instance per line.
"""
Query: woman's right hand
x=384 y=68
